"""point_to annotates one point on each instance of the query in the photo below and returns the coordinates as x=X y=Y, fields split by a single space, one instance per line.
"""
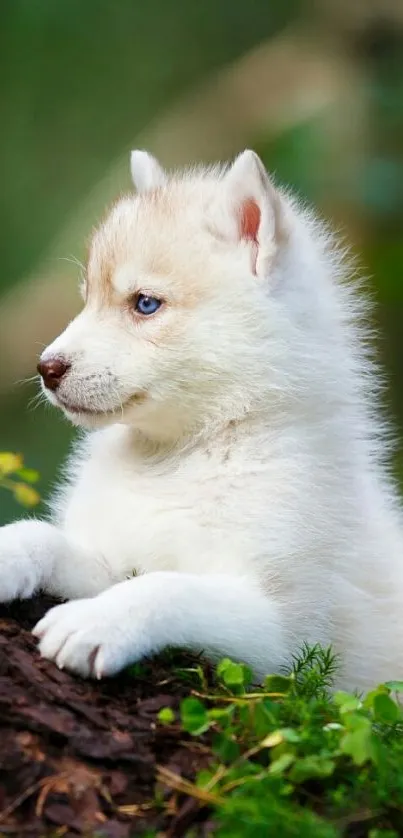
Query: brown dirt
x=81 y=758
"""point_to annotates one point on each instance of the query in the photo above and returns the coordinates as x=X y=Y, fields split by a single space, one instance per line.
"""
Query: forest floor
x=173 y=748
x=81 y=757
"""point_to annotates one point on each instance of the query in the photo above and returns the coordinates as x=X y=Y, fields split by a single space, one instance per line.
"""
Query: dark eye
x=147 y=305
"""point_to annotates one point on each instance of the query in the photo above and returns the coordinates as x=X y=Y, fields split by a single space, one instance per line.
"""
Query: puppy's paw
x=19 y=570
x=90 y=637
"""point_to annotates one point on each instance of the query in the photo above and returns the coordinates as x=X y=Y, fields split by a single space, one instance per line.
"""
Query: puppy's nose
x=52 y=371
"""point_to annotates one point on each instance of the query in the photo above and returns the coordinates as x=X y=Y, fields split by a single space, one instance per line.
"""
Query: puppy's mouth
x=84 y=410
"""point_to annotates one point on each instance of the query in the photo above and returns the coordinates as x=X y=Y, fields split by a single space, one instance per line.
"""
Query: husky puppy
x=229 y=493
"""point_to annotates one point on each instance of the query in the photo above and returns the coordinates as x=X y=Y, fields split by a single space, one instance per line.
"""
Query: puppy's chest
x=178 y=514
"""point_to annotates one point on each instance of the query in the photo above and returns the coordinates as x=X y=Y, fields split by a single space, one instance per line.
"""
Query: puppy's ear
x=146 y=171
x=251 y=210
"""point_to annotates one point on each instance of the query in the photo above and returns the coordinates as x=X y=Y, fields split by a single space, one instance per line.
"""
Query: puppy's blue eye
x=147 y=305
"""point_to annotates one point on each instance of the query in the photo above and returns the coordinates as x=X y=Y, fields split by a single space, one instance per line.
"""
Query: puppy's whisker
x=36 y=401
x=28 y=380
x=73 y=261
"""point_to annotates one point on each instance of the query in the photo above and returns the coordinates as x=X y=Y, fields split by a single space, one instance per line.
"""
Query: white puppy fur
x=234 y=468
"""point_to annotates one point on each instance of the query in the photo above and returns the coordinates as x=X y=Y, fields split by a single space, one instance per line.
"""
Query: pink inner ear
x=250 y=220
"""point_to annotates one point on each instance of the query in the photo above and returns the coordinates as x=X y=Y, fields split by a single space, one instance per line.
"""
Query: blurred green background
x=315 y=88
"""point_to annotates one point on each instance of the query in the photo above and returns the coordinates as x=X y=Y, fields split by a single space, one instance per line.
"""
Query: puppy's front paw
x=19 y=571
x=88 y=636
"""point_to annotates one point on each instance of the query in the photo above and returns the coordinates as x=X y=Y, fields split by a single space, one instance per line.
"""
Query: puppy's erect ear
x=146 y=171
x=251 y=210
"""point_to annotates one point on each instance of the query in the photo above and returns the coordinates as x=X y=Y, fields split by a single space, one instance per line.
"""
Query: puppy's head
x=175 y=321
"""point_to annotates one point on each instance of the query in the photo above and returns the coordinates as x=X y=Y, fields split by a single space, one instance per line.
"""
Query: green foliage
x=292 y=759
x=18 y=479
x=194 y=715
x=234 y=675
x=166 y=716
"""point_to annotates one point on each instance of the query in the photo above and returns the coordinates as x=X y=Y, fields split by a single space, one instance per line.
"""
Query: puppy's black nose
x=52 y=371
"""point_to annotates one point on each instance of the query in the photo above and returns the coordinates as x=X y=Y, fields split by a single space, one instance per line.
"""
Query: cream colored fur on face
x=234 y=460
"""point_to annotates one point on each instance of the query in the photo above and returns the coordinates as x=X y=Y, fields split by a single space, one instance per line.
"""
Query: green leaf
x=273 y=739
x=194 y=716
x=9 y=463
x=234 y=674
x=369 y=699
x=277 y=684
x=225 y=747
x=395 y=686
x=166 y=716
x=356 y=721
x=204 y=777
x=28 y=474
x=358 y=743
x=290 y=735
x=281 y=763
x=385 y=709
x=347 y=702
x=26 y=495
x=285 y=734
x=221 y=714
